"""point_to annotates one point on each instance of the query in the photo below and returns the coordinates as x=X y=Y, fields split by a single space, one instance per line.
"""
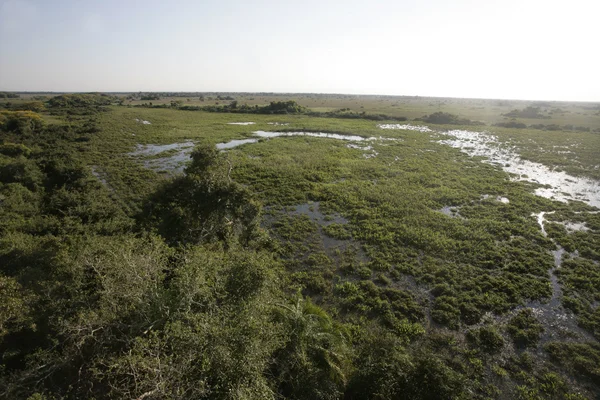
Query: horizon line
x=289 y=93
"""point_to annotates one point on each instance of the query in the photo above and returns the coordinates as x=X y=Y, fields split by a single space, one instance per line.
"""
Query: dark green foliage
x=279 y=107
x=275 y=107
x=204 y=205
x=150 y=96
x=313 y=363
x=347 y=113
x=338 y=231
x=392 y=305
x=35 y=106
x=14 y=150
x=7 y=95
x=511 y=124
x=579 y=358
x=20 y=122
x=80 y=100
x=527 y=112
x=190 y=298
x=447 y=119
x=524 y=328
x=487 y=337
x=385 y=371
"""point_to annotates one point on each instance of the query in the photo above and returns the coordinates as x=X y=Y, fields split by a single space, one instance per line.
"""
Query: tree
x=205 y=205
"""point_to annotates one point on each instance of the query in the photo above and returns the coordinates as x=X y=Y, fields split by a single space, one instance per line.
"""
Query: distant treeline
x=6 y=95
x=528 y=112
x=546 y=127
x=444 y=118
x=276 y=107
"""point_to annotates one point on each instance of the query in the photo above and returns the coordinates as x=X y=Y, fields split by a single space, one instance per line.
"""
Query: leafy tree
x=204 y=205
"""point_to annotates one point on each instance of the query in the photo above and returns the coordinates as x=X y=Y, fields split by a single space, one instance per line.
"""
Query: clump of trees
x=347 y=113
x=444 y=118
x=204 y=205
x=514 y=124
x=150 y=96
x=527 y=112
x=22 y=122
x=83 y=100
x=278 y=107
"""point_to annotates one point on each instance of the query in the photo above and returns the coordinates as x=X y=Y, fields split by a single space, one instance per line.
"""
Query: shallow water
x=559 y=185
x=234 y=143
x=501 y=199
x=406 y=127
x=370 y=149
x=172 y=163
x=313 y=211
x=541 y=219
x=176 y=162
x=352 y=138
x=451 y=211
x=153 y=149
x=98 y=175
x=558 y=321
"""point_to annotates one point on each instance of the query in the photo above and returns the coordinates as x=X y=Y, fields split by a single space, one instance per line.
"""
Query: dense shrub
x=527 y=112
x=511 y=124
x=22 y=122
x=525 y=328
x=447 y=119
x=7 y=95
x=81 y=100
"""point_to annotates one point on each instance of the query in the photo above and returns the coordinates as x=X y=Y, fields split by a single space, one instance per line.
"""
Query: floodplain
x=448 y=248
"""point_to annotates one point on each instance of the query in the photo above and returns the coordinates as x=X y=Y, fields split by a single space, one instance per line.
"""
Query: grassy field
x=401 y=232
x=485 y=110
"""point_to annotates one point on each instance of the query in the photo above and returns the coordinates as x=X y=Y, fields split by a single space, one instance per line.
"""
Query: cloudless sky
x=517 y=49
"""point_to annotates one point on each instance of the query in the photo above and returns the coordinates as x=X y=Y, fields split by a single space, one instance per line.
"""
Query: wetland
x=305 y=254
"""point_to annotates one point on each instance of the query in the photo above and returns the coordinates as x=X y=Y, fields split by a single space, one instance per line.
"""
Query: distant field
x=488 y=111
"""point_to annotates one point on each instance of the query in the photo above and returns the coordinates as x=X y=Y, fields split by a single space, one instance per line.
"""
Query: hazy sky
x=521 y=49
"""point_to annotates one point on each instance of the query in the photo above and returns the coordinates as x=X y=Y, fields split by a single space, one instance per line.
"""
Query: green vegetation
x=447 y=119
x=524 y=328
x=7 y=95
x=527 y=112
x=293 y=267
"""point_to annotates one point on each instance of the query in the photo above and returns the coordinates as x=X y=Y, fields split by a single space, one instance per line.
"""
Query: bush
x=511 y=124
x=15 y=150
x=448 y=119
x=527 y=112
x=525 y=328
x=22 y=122
x=487 y=337
x=6 y=95
x=583 y=358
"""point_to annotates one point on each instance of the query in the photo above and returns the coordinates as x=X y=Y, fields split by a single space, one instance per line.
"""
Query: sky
x=509 y=49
